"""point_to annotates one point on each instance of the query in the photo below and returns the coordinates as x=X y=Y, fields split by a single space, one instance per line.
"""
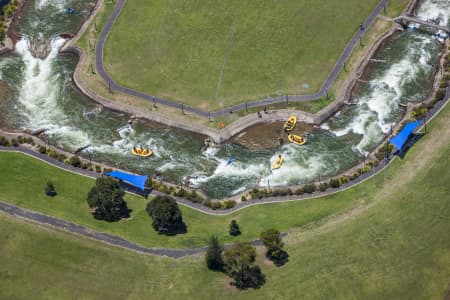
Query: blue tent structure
x=402 y=137
x=134 y=180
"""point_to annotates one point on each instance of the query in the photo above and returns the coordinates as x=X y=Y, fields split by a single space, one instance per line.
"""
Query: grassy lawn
x=396 y=247
x=24 y=179
x=176 y=49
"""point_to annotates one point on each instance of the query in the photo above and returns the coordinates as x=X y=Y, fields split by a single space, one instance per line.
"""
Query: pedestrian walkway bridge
x=413 y=19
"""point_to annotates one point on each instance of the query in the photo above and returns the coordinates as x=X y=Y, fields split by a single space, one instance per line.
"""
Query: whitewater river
x=44 y=97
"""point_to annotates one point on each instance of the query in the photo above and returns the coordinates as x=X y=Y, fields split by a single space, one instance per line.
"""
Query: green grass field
x=395 y=246
x=24 y=179
x=180 y=49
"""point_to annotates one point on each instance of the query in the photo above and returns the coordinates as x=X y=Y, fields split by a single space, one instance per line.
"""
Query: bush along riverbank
x=6 y=15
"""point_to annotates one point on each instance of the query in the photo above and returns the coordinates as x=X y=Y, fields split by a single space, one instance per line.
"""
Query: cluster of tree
x=106 y=200
x=271 y=239
x=238 y=261
x=166 y=215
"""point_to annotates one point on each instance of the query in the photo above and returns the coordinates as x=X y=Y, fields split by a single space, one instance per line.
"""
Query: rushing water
x=45 y=98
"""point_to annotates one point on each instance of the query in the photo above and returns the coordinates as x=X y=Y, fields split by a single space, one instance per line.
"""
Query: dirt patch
x=267 y=135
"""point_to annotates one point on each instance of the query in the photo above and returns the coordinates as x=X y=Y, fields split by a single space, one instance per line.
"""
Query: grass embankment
x=24 y=179
x=177 y=49
x=396 y=248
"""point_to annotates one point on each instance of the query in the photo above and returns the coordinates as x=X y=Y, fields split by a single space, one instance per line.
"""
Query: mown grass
x=24 y=179
x=398 y=248
x=176 y=49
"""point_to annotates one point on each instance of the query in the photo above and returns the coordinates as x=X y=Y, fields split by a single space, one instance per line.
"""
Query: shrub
x=52 y=153
x=98 y=169
x=42 y=149
x=14 y=142
x=335 y=182
x=299 y=191
x=344 y=179
x=74 y=161
x=50 y=189
x=384 y=150
x=323 y=186
x=234 y=228
x=243 y=198
x=207 y=203
x=309 y=188
x=181 y=193
x=271 y=239
x=61 y=157
x=419 y=113
x=213 y=256
x=3 y=141
x=227 y=204
x=215 y=205
x=440 y=94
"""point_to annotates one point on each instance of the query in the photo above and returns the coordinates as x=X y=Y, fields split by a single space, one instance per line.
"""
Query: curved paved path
x=110 y=239
x=264 y=102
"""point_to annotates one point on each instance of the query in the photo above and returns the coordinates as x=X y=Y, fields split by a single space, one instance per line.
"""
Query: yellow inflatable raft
x=278 y=163
x=290 y=124
x=296 y=139
x=143 y=152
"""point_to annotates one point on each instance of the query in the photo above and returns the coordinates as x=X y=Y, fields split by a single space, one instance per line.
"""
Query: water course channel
x=43 y=96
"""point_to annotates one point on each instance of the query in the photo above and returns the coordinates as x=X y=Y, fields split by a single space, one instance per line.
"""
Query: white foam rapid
x=372 y=118
x=40 y=92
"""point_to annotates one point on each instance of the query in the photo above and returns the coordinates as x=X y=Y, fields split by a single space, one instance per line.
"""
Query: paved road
x=259 y=103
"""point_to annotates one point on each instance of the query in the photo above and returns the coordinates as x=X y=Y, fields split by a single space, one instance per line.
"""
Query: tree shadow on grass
x=279 y=257
x=174 y=230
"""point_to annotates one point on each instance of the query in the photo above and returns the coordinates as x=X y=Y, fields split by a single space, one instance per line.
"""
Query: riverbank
x=11 y=21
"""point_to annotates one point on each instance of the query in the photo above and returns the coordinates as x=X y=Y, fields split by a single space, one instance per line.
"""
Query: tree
x=234 y=228
x=50 y=189
x=166 y=215
x=106 y=198
x=239 y=261
x=272 y=241
x=213 y=255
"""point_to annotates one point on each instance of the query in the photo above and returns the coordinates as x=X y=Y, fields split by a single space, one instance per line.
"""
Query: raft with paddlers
x=144 y=152
x=278 y=163
x=290 y=123
x=296 y=139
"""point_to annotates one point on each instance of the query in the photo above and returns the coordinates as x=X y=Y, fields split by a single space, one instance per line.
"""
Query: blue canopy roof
x=400 y=139
x=135 y=180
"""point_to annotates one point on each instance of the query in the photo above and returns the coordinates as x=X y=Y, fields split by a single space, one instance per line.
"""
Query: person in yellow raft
x=278 y=163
